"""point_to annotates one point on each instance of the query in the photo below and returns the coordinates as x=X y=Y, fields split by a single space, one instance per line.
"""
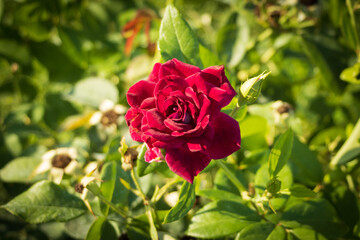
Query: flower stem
x=94 y=189
x=235 y=110
x=158 y=194
x=148 y=207
x=233 y=179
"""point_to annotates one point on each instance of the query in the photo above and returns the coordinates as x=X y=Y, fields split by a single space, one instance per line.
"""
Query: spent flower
x=58 y=162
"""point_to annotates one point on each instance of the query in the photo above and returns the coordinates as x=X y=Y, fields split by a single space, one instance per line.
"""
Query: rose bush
x=178 y=109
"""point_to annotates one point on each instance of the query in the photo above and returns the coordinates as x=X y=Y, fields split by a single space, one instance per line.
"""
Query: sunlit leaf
x=256 y=231
x=11 y=171
x=185 y=203
x=221 y=218
x=45 y=201
x=111 y=187
x=317 y=214
x=177 y=39
x=280 y=153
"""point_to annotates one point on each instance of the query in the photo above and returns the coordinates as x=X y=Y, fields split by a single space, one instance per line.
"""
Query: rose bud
x=178 y=109
x=250 y=90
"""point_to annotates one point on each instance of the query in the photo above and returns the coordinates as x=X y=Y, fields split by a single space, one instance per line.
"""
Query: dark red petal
x=139 y=92
x=223 y=83
x=133 y=119
x=177 y=68
x=156 y=120
x=153 y=77
x=148 y=103
x=186 y=164
x=226 y=136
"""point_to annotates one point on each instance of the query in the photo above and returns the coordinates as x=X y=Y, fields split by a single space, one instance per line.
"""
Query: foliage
x=296 y=175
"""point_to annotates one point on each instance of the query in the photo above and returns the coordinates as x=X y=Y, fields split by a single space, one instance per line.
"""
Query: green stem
x=96 y=191
x=157 y=196
x=235 y=110
x=148 y=207
x=233 y=179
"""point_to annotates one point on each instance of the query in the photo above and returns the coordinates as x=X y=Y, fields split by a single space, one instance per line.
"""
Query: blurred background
x=60 y=59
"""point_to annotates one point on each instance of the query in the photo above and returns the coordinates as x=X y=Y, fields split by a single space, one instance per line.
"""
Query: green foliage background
x=60 y=59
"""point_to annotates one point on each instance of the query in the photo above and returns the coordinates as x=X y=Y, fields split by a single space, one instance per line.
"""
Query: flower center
x=60 y=161
x=110 y=117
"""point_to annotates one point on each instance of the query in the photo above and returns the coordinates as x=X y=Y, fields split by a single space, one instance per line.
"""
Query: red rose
x=178 y=109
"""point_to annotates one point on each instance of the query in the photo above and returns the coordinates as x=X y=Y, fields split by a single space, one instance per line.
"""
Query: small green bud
x=273 y=186
x=250 y=90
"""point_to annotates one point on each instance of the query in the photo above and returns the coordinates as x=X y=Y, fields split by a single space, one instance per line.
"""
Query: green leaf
x=111 y=187
x=92 y=91
x=256 y=231
x=71 y=45
x=51 y=57
x=143 y=167
x=298 y=190
x=350 y=149
x=253 y=132
x=177 y=40
x=348 y=31
x=311 y=48
x=101 y=229
x=351 y=74
x=221 y=218
x=344 y=201
x=20 y=169
x=307 y=233
x=318 y=214
x=233 y=38
x=217 y=194
x=242 y=39
x=208 y=58
x=13 y=144
x=262 y=178
x=78 y=228
x=277 y=234
x=113 y=153
x=280 y=153
x=45 y=201
x=304 y=164
x=185 y=203
x=14 y=50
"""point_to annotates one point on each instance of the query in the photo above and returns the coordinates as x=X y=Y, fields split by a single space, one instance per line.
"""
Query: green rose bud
x=273 y=186
x=250 y=90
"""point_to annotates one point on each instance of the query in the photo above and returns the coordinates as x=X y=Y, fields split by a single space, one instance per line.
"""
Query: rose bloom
x=178 y=109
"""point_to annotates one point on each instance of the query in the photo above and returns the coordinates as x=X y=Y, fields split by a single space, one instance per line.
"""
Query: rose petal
x=226 y=136
x=185 y=163
x=133 y=119
x=219 y=74
x=139 y=92
x=177 y=68
x=153 y=77
x=153 y=155
x=156 y=120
